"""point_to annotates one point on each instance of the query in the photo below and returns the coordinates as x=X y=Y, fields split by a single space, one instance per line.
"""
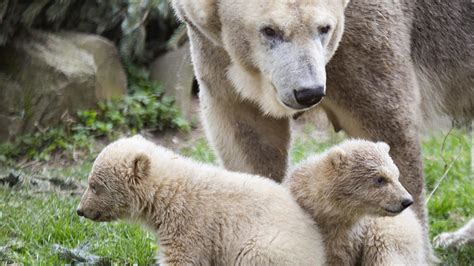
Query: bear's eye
x=270 y=33
x=380 y=181
x=324 y=29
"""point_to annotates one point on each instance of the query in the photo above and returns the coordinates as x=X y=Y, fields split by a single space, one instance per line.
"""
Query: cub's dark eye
x=325 y=29
x=380 y=181
x=270 y=33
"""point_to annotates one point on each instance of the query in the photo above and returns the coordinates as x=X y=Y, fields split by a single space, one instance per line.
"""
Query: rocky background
x=61 y=56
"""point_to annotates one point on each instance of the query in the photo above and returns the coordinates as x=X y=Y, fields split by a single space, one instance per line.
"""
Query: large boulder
x=45 y=75
x=111 y=77
x=175 y=72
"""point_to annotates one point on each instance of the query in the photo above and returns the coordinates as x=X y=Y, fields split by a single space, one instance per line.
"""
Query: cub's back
x=264 y=216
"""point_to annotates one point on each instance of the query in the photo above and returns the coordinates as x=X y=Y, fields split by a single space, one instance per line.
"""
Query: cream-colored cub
x=201 y=214
x=354 y=195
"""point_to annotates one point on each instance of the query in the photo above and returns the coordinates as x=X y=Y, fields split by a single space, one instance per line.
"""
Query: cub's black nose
x=309 y=96
x=79 y=212
x=407 y=203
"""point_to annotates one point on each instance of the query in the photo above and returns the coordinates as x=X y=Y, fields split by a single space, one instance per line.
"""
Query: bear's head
x=363 y=177
x=117 y=181
x=278 y=49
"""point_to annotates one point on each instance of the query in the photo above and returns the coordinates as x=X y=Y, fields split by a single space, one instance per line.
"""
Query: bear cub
x=354 y=195
x=201 y=214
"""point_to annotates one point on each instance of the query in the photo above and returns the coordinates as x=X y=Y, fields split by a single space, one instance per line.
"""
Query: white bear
x=202 y=215
x=354 y=195
x=379 y=69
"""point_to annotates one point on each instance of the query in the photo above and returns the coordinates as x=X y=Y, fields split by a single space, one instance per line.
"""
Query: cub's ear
x=384 y=146
x=141 y=167
x=337 y=156
x=202 y=14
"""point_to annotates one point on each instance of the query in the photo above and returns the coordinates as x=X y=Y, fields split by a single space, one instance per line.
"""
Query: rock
x=175 y=71
x=79 y=255
x=111 y=77
x=44 y=75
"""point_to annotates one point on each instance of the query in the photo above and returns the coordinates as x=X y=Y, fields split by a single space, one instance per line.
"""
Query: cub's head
x=278 y=49
x=116 y=181
x=364 y=177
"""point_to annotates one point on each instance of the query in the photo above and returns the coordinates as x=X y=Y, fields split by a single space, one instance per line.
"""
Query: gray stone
x=45 y=75
x=175 y=72
x=111 y=77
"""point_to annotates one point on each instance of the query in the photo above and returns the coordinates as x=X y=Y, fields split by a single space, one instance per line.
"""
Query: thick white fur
x=462 y=236
x=337 y=189
x=206 y=215
x=261 y=88
x=394 y=241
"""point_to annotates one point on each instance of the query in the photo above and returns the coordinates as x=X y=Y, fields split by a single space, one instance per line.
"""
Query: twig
x=443 y=145
x=447 y=166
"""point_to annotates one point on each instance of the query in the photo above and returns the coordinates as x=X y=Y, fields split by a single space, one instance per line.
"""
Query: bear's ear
x=141 y=167
x=384 y=146
x=337 y=157
x=202 y=14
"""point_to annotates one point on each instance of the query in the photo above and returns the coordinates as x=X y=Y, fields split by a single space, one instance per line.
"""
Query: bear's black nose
x=406 y=203
x=79 y=212
x=309 y=96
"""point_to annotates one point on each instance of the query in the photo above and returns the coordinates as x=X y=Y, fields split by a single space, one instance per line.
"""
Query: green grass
x=304 y=146
x=452 y=204
x=200 y=151
x=34 y=224
x=31 y=221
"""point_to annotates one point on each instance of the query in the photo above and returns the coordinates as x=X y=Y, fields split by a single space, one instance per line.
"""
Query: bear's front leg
x=373 y=93
x=245 y=140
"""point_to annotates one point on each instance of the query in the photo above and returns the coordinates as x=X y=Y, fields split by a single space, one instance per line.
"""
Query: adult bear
x=259 y=62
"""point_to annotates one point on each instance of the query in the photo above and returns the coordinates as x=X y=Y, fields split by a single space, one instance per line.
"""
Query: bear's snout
x=92 y=215
x=406 y=203
x=403 y=204
x=308 y=97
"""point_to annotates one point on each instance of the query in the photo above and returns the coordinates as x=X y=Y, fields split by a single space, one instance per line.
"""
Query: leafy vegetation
x=200 y=151
x=145 y=107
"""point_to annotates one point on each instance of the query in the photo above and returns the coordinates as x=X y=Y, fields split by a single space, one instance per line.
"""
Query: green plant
x=40 y=145
x=450 y=205
x=145 y=108
x=200 y=151
x=55 y=222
